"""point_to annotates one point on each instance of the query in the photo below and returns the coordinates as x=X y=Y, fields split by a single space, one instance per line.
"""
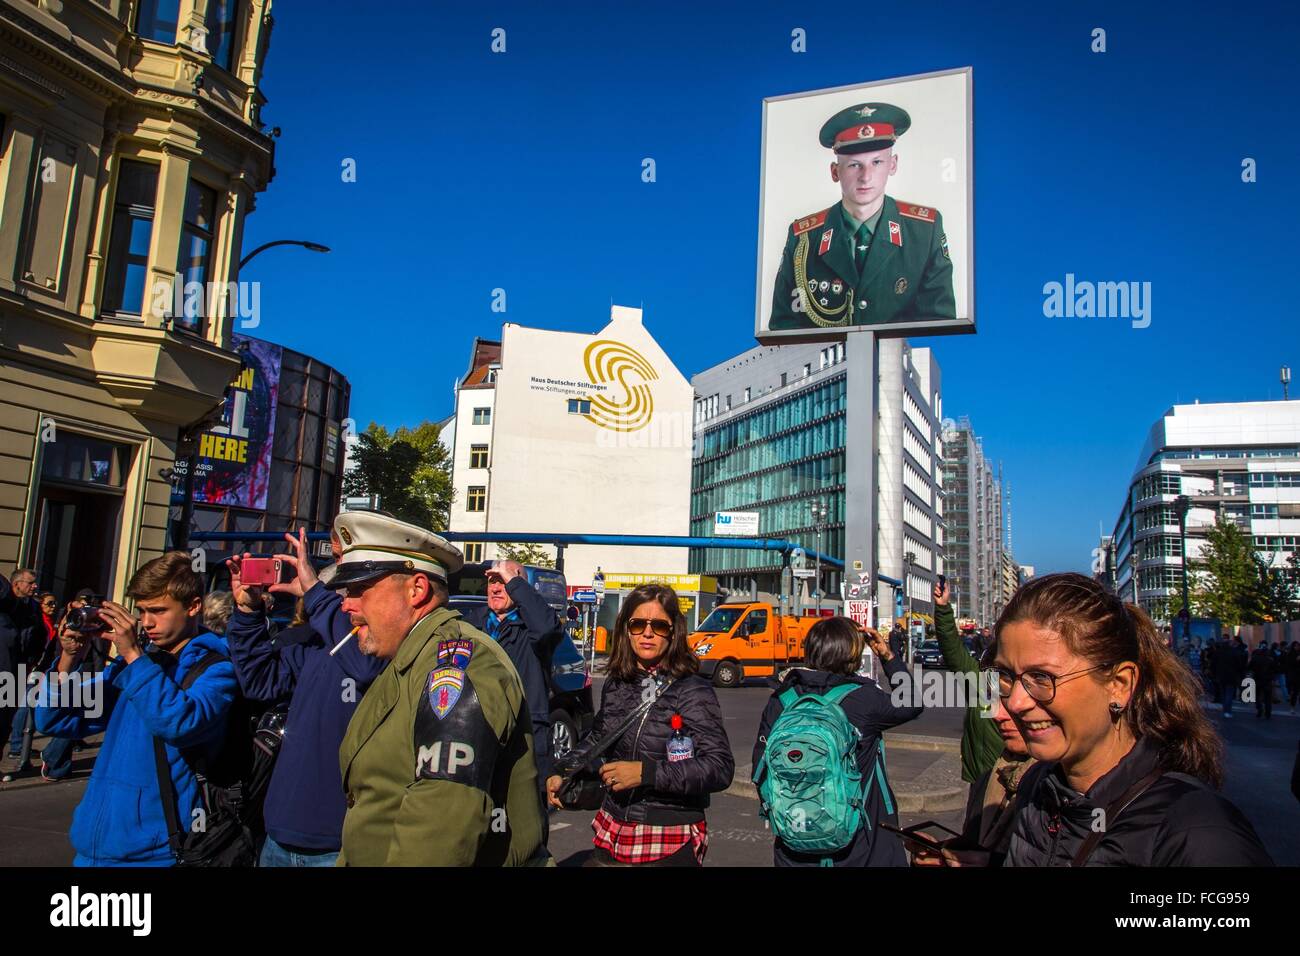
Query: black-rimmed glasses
x=1040 y=685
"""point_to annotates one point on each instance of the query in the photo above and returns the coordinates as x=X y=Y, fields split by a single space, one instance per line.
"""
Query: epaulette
x=809 y=222
x=926 y=213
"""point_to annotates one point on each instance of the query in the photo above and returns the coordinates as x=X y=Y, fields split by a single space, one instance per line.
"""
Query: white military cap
x=375 y=545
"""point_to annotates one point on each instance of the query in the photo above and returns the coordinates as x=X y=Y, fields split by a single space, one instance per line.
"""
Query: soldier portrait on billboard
x=871 y=257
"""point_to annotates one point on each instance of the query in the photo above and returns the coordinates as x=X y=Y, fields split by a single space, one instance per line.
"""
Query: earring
x=1115 y=711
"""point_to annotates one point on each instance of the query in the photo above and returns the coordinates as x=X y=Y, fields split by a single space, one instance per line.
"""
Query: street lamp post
x=1182 y=504
x=1133 y=560
x=310 y=246
x=819 y=514
x=909 y=559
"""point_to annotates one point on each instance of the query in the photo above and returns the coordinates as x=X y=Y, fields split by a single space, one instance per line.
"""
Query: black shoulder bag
x=581 y=787
x=224 y=840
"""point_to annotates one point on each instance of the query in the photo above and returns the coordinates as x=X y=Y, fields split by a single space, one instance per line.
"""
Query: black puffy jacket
x=529 y=639
x=872 y=710
x=1177 y=821
x=670 y=793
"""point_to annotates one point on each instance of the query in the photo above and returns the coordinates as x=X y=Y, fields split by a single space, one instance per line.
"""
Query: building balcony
x=171 y=377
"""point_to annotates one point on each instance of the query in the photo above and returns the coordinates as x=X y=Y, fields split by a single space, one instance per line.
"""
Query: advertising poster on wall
x=234 y=459
x=866 y=206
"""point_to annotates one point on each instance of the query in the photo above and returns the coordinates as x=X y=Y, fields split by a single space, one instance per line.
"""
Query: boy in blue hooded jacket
x=136 y=698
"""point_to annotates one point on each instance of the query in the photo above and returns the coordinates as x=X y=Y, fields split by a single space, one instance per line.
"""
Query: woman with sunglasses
x=1128 y=763
x=659 y=774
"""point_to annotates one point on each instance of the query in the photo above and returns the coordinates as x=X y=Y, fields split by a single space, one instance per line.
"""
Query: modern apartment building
x=1239 y=461
x=976 y=552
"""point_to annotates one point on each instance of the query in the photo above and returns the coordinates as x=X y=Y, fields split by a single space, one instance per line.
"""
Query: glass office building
x=771 y=427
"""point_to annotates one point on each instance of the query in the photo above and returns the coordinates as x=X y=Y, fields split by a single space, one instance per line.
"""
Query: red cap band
x=865 y=133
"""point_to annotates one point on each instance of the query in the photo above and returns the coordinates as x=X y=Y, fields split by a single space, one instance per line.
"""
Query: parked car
x=928 y=654
x=572 y=711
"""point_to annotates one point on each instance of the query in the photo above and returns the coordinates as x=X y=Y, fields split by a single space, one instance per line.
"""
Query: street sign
x=598 y=586
x=583 y=597
x=803 y=572
x=741 y=523
x=859 y=612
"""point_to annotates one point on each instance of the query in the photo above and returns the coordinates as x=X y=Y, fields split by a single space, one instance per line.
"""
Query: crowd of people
x=383 y=727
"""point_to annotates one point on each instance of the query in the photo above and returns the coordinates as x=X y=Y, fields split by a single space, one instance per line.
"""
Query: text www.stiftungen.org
x=1203 y=923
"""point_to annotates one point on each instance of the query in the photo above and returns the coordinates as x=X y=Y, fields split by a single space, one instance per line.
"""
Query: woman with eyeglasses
x=1128 y=763
x=659 y=774
x=991 y=804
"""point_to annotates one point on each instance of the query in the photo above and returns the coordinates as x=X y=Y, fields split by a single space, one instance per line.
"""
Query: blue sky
x=521 y=171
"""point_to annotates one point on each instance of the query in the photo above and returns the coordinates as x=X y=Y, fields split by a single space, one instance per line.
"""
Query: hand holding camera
x=878 y=644
x=297 y=576
x=246 y=592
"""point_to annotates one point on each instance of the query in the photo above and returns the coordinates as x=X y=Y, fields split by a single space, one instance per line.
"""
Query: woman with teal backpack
x=819 y=759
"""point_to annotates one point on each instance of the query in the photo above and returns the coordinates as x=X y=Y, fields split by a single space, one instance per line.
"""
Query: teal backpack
x=810 y=789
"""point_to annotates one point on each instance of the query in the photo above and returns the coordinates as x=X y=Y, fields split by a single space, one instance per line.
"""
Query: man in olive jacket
x=981 y=744
x=437 y=761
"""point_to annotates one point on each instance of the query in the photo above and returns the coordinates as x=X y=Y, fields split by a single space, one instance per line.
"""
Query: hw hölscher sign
x=742 y=524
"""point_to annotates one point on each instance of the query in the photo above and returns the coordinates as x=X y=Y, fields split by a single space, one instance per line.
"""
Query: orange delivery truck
x=739 y=640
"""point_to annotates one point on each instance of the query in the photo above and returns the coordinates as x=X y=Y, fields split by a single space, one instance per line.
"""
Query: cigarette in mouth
x=346 y=638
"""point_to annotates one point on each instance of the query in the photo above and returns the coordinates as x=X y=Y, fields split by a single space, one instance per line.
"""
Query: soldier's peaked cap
x=375 y=544
x=865 y=128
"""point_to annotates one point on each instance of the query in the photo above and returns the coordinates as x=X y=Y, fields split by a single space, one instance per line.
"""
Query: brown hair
x=172 y=574
x=1102 y=629
x=834 y=644
x=678 y=661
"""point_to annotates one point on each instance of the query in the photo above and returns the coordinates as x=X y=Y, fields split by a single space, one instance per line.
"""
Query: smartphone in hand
x=265 y=571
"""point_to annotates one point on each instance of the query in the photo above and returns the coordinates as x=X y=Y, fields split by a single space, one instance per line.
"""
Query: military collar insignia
x=447 y=680
x=826 y=242
x=895 y=233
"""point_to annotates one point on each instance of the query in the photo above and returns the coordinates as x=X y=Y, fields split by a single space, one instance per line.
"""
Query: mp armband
x=453 y=738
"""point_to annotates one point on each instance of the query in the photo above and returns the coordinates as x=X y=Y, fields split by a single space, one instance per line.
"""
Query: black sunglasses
x=637 y=625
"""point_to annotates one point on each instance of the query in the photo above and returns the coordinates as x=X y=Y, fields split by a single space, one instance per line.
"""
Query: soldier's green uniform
x=833 y=276
x=438 y=758
x=908 y=272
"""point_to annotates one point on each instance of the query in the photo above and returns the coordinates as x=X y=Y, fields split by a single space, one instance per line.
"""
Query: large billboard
x=866 y=210
x=234 y=458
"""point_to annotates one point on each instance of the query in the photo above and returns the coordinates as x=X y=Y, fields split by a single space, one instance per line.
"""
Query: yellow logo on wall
x=610 y=361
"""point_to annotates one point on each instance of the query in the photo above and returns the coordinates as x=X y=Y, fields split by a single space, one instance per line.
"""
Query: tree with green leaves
x=1229 y=588
x=409 y=469
x=526 y=553
x=1276 y=589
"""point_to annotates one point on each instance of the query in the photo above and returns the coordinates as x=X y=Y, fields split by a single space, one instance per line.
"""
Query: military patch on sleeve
x=809 y=222
x=924 y=213
x=443 y=686
x=943 y=244
x=461 y=748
